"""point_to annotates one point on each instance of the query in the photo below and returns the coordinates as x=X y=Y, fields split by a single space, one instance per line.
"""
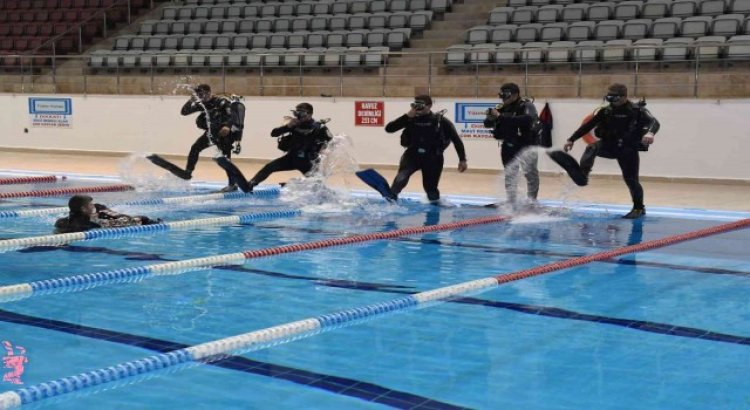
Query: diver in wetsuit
x=512 y=123
x=426 y=135
x=85 y=214
x=624 y=128
x=302 y=138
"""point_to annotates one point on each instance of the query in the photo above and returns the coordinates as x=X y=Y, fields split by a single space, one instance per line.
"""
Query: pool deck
x=714 y=195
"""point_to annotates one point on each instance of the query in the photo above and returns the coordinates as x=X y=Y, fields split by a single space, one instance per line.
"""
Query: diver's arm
x=397 y=124
x=452 y=134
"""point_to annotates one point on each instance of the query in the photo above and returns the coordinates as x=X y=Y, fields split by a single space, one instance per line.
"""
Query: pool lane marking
x=260 y=339
x=266 y=192
x=31 y=180
x=103 y=233
x=67 y=191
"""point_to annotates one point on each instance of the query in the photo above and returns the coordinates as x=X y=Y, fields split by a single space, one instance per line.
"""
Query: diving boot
x=635 y=213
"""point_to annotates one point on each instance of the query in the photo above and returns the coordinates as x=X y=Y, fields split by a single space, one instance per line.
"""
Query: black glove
x=237 y=148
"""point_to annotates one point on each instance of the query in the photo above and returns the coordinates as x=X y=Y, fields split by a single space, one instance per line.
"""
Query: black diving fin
x=377 y=182
x=174 y=169
x=570 y=165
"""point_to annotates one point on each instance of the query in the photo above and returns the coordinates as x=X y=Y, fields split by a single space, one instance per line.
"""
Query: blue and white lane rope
x=64 y=238
x=242 y=343
x=265 y=192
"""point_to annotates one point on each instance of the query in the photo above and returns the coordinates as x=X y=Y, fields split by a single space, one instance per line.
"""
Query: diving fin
x=234 y=173
x=377 y=182
x=174 y=169
x=570 y=165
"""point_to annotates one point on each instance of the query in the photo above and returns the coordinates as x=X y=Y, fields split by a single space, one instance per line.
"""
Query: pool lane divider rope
x=266 y=192
x=31 y=180
x=109 y=233
x=91 y=280
x=67 y=191
x=272 y=336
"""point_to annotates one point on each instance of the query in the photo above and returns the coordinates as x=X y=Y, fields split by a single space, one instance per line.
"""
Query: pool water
x=663 y=329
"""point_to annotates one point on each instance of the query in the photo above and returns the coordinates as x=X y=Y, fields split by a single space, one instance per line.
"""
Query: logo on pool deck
x=14 y=361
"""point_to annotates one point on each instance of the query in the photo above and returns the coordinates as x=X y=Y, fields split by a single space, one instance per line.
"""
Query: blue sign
x=472 y=112
x=54 y=106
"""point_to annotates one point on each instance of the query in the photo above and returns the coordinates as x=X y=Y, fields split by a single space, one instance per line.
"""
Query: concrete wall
x=699 y=138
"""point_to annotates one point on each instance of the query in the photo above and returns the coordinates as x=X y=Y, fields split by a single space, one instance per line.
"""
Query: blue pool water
x=663 y=329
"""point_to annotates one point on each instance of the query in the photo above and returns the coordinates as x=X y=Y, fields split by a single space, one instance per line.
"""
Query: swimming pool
x=663 y=328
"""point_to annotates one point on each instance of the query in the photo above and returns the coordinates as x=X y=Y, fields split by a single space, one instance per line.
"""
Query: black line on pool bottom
x=334 y=384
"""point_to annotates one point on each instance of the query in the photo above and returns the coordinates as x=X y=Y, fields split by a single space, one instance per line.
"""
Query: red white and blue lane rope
x=67 y=191
x=87 y=281
x=32 y=180
x=275 y=335
x=265 y=192
x=104 y=233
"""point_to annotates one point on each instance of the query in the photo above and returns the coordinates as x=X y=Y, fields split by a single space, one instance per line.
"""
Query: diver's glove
x=237 y=148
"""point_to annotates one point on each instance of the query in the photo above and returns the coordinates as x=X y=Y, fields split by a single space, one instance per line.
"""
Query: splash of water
x=139 y=172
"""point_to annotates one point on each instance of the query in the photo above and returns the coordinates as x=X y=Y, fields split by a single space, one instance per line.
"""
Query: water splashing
x=139 y=172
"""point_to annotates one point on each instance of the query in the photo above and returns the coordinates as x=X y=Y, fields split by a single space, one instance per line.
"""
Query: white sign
x=470 y=118
x=50 y=112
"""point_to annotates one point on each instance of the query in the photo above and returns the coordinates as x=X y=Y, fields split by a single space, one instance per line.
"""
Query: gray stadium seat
x=122 y=43
x=312 y=56
x=246 y=26
x=500 y=15
x=580 y=30
x=282 y=24
x=517 y=3
x=304 y=9
x=319 y=23
x=234 y=12
x=97 y=58
x=419 y=20
x=189 y=42
x=418 y=5
x=358 y=6
x=181 y=59
x=738 y=47
x=336 y=39
x=237 y=57
x=272 y=58
x=171 y=42
x=711 y=7
x=353 y=56
x=665 y=28
x=478 y=35
x=574 y=12
x=616 y=50
x=212 y=27
x=456 y=55
x=264 y=25
x=627 y=10
x=163 y=27
x=240 y=42
x=398 y=5
x=252 y=10
x=321 y=9
x=636 y=29
x=293 y=57
x=482 y=54
x=600 y=11
x=398 y=38
x=399 y=20
x=259 y=41
x=138 y=43
x=359 y=21
x=301 y=23
x=317 y=39
x=549 y=14
x=154 y=43
x=147 y=27
x=195 y=27
x=560 y=51
x=503 y=33
x=608 y=30
x=217 y=58
x=683 y=8
x=178 y=28
x=378 y=20
x=356 y=38
x=740 y=7
x=528 y=32
x=533 y=52
x=333 y=56
x=286 y=10
x=268 y=10
x=647 y=49
x=338 y=22
x=201 y=13
x=170 y=13
x=229 y=27
x=524 y=15
x=297 y=40
x=378 y=6
x=553 y=32
x=676 y=49
x=112 y=60
x=698 y=26
x=727 y=25
x=440 y=6
x=376 y=38
x=129 y=59
x=564 y=2
x=277 y=40
x=507 y=53
x=709 y=47
x=254 y=58
x=541 y=2
x=655 y=9
x=217 y=12
x=206 y=42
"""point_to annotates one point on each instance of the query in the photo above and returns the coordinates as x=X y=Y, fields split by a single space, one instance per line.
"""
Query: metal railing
x=694 y=76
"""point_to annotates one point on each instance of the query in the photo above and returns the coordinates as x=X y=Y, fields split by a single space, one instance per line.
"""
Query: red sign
x=369 y=113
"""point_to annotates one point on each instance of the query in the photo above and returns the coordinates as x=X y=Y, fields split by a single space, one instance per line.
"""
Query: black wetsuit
x=425 y=138
x=304 y=143
x=620 y=130
x=75 y=223
x=221 y=115
x=513 y=127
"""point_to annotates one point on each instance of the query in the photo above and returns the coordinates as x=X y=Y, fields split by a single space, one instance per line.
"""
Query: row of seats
x=673 y=49
x=665 y=28
x=352 y=6
x=625 y=10
x=395 y=39
x=521 y=3
x=36 y=5
x=47 y=30
x=287 y=10
x=416 y=21
x=298 y=57
x=114 y=14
